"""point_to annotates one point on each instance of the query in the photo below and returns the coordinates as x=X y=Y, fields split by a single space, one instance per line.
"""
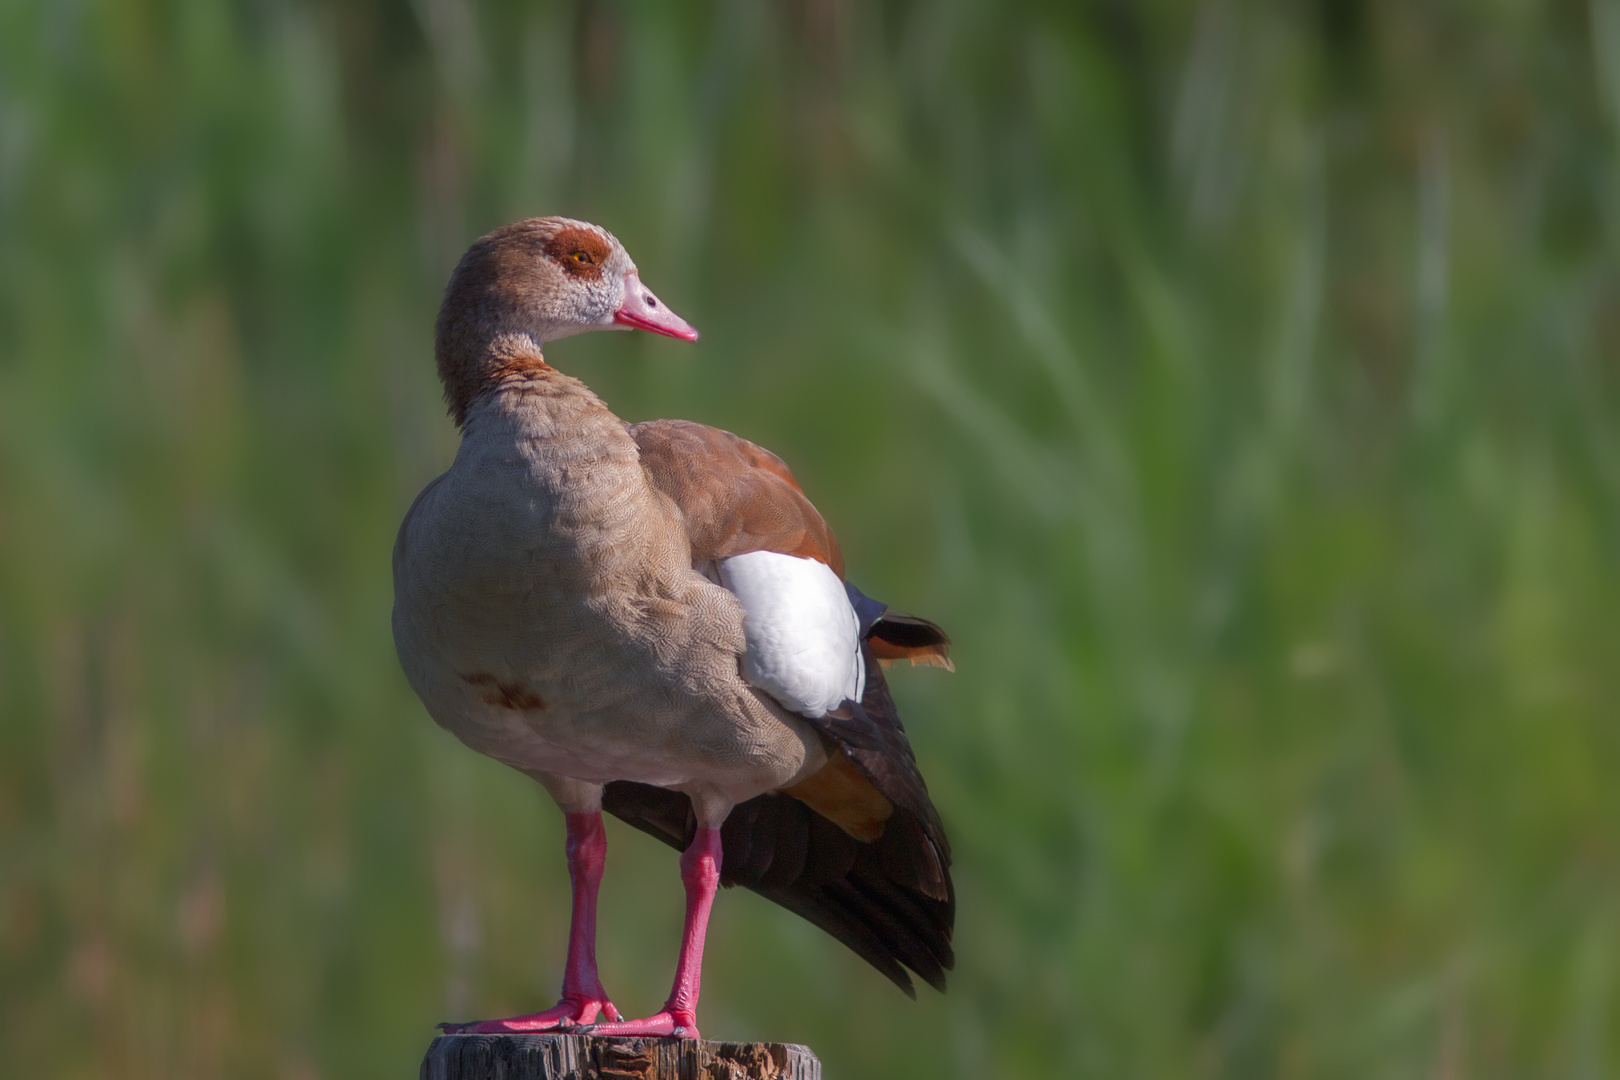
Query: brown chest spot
x=503 y=695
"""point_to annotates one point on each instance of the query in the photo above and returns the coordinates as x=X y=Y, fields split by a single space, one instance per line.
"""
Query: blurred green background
x=1239 y=383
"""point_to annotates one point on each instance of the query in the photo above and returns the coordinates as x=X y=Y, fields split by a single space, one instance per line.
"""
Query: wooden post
x=587 y=1057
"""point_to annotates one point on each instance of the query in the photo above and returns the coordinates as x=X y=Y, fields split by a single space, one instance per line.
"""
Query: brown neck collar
x=505 y=360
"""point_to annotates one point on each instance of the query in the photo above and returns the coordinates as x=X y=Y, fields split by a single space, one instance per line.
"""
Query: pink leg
x=583 y=998
x=700 y=872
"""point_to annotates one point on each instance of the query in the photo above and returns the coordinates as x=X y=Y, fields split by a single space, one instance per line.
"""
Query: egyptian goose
x=652 y=619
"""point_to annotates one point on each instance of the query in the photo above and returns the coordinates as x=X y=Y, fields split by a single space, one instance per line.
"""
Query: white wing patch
x=803 y=636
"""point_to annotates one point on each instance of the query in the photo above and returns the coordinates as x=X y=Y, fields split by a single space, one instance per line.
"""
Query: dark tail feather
x=868 y=896
x=894 y=636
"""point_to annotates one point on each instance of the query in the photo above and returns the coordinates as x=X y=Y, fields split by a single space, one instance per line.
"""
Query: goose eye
x=583 y=258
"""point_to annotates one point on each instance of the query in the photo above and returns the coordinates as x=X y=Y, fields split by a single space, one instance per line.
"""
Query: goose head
x=531 y=282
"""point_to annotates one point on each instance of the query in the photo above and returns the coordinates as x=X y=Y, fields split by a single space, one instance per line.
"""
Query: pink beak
x=642 y=310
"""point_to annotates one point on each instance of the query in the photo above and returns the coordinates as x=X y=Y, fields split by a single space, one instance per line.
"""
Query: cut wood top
x=586 y=1057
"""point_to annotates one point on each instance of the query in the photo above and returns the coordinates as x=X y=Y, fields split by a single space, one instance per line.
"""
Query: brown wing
x=857 y=849
x=736 y=497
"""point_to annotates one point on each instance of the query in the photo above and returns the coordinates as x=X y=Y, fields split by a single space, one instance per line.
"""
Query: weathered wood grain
x=586 y=1057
